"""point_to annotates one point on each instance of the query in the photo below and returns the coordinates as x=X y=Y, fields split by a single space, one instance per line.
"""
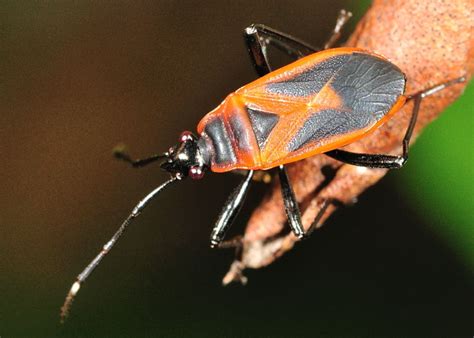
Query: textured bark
x=432 y=42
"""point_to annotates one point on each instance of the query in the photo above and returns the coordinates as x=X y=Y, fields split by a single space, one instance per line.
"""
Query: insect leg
x=321 y=212
x=342 y=19
x=120 y=153
x=258 y=37
x=230 y=210
x=291 y=205
x=391 y=161
x=368 y=160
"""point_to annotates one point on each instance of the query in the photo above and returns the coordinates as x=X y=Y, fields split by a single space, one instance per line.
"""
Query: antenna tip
x=69 y=298
x=75 y=288
x=120 y=152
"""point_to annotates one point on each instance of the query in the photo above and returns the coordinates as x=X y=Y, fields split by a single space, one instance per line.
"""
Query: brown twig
x=432 y=41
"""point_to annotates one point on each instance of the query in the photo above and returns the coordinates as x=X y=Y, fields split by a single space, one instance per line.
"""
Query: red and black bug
x=315 y=105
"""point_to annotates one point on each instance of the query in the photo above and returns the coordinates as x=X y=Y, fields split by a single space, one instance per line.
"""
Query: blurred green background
x=79 y=77
x=440 y=175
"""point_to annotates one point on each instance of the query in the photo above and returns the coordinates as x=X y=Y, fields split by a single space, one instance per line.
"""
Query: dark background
x=77 y=78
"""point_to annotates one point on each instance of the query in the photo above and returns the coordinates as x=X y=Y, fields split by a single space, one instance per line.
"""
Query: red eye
x=186 y=136
x=196 y=172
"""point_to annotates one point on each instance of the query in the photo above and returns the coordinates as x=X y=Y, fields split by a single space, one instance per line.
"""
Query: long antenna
x=108 y=246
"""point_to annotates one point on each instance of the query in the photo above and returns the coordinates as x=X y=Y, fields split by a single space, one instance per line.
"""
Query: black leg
x=291 y=205
x=120 y=153
x=368 y=160
x=230 y=210
x=258 y=37
x=391 y=161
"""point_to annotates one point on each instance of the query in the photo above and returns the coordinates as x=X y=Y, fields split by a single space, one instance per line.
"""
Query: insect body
x=315 y=105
